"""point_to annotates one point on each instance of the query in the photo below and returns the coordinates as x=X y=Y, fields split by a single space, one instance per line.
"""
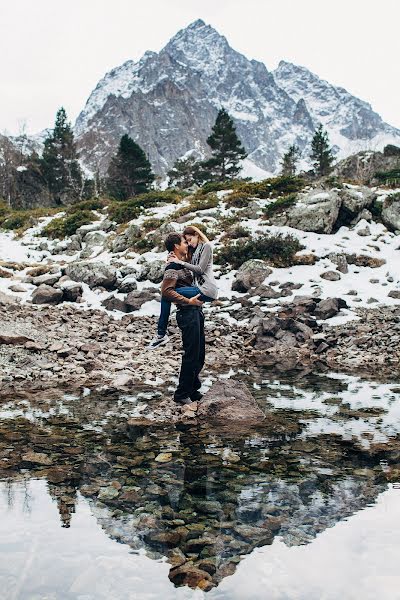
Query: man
x=190 y=321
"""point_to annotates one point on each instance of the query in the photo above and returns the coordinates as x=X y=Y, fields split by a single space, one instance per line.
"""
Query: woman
x=205 y=286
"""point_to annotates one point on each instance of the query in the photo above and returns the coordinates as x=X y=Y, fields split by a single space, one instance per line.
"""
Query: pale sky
x=53 y=53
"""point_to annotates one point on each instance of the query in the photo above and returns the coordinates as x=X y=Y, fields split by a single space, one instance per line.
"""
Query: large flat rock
x=230 y=402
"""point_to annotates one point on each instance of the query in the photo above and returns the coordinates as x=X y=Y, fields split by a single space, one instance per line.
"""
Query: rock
x=7 y=300
x=108 y=493
x=271 y=325
x=391 y=212
x=163 y=457
x=35 y=346
x=363 y=166
x=340 y=261
x=127 y=239
x=266 y=291
x=316 y=210
x=14 y=339
x=327 y=308
x=330 y=275
x=45 y=294
x=128 y=284
x=41 y=270
x=17 y=288
x=122 y=380
x=163 y=539
x=72 y=290
x=93 y=240
x=363 y=260
x=230 y=402
x=304 y=258
x=114 y=303
x=47 y=278
x=158 y=235
x=94 y=274
x=394 y=294
x=151 y=270
x=37 y=458
x=135 y=299
x=251 y=274
x=188 y=574
x=5 y=273
x=364 y=231
x=355 y=199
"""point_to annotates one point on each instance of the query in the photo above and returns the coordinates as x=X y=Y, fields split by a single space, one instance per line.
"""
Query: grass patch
x=280 y=204
x=389 y=178
x=238 y=198
x=68 y=225
x=93 y=204
x=272 y=187
x=197 y=202
x=20 y=220
x=277 y=249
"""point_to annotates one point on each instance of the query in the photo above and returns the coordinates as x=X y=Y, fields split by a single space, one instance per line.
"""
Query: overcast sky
x=53 y=53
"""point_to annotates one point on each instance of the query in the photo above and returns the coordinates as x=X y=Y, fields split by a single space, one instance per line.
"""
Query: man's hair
x=171 y=240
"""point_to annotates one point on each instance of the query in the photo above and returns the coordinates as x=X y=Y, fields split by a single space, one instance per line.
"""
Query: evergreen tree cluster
x=227 y=152
x=321 y=155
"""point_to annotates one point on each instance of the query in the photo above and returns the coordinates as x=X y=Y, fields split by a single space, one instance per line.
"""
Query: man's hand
x=195 y=301
x=173 y=258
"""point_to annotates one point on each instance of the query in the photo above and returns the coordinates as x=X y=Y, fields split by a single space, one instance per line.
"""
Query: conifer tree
x=185 y=173
x=59 y=164
x=290 y=160
x=129 y=172
x=226 y=149
x=321 y=152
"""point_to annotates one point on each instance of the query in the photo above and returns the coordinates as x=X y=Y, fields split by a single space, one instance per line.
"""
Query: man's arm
x=169 y=292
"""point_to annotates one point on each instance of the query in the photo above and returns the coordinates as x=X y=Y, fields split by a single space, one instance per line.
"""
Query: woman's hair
x=193 y=230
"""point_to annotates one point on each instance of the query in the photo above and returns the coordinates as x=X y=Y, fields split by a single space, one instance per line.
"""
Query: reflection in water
x=202 y=498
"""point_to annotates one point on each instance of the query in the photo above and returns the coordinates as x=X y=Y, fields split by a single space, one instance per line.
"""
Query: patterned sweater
x=175 y=276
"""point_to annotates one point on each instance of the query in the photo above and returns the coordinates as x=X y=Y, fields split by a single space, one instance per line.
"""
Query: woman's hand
x=173 y=258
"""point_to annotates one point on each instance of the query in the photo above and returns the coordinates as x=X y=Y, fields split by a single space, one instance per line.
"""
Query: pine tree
x=321 y=153
x=129 y=172
x=290 y=160
x=59 y=164
x=226 y=149
x=185 y=173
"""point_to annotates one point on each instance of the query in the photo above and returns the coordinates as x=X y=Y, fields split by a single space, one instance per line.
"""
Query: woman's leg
x=191 y=291
x=164 y=317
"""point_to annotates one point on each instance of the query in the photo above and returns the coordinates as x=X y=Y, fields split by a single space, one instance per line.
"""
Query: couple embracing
x=188 y=282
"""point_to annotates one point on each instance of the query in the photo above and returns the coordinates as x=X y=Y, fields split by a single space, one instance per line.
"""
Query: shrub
x=273 y=187
x=68 y=225
x=218 y=186
x=198 y=202
x=16 y=220
x=277 y=249
x=92 y=204
x=236 y=233
x=390 y=178
x=238 y=199
x=280 y=204
x=376 y=210
x=122 y=212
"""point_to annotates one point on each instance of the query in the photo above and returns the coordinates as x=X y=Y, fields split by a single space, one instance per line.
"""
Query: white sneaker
x=159 y=340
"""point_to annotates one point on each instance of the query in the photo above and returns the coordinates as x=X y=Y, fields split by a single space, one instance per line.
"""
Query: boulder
x=363 y=166
x=47 y=278
x=72 y=290
x=44 y=294
x=135 y=299
x=327 y=308
x=230 y=402
x=94 y=274
x=391 y=212
x=331 y=275
x=93 y=240
x=128 y=284
x=355 y=199
x=127 y=239
x=316 y=210
x=363 y=260
x=114 y=303
x=252 y=273
x=151 y=270
x=158 y=235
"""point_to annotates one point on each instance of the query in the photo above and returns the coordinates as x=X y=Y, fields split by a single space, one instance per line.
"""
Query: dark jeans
x=191 y=323
x=188 y=292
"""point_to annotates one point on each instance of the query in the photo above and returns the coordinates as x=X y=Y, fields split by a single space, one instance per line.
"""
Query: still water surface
x=306 y=508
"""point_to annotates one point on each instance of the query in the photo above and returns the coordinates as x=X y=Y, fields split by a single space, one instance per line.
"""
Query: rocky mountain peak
x=198 y=46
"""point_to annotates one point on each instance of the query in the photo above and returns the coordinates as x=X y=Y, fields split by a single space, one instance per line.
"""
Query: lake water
x=306 y=507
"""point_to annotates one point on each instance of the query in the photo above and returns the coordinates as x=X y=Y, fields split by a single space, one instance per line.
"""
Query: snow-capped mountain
x=168 y=102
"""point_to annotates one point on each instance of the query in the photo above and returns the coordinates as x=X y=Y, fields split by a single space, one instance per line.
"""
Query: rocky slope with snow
x=168 y=102
x=337 y=302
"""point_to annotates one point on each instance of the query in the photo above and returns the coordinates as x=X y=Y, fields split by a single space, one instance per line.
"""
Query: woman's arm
x=204 y=261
